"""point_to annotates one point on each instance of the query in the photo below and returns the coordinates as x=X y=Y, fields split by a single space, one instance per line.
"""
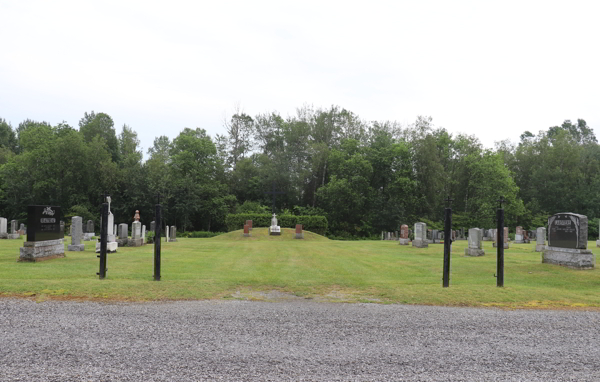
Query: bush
x=316 y=224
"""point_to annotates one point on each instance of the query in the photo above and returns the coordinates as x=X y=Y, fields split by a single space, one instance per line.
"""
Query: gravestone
x=429 y=236
x=540 y=239
x=435 y=239
x=597 y=241
x=567 y=242
x=274 y=229
x=123 y=239
x=22 y=229
x=381 y=235
x=13 y=231
x=173 y=233
x=404 y=240
x=475 y=244
x=62 y=229
x=111 y=234
x=519 y=237
x=249 y=223
x=136 y=235
x=420 y=240
x=299 y=232
x=506 y=246
x=3 y=226
x=44 y=239
x=167 y=234
x=246 y=230
x=89 y=231
x=76 y=234
x=143 y=234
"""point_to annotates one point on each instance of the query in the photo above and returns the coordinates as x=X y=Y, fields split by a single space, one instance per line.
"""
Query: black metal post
x=103 y=238
x=447 y=241
x=157 y=229
x=500 y=244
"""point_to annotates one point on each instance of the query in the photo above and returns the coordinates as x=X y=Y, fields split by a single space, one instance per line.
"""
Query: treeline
x=365 y=177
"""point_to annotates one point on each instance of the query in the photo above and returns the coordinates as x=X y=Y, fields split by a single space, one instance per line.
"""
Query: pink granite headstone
x=299 y=232
x=246 y=230
x=404 y=231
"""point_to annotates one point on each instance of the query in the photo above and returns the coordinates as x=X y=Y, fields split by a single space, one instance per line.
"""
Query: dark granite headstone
x=568 y=230
x=43 y=223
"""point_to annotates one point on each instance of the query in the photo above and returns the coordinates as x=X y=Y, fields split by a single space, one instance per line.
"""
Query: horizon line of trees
x=365 y=177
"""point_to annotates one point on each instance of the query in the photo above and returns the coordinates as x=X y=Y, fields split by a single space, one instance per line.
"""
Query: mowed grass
x=229 y=266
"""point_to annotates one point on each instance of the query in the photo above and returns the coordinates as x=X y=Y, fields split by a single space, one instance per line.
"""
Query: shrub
x=316 y=224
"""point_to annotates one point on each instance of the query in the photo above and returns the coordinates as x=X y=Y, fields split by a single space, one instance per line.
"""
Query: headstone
x=89 y=231
x=143 y=234
x=435 y=236
x=246 y=230
x=474 y=247
x=13 y=231
x=506 y=246
x=420 y=240
x=567 y=242
x=299 y=232
x=76 y=235
x=519 y=238
x=62 y=229
x=3 y=226
x=44 y=239
x=480 y=234
x=249 y=222
x=136 y=234
x=111 y=235
x=381 y=235
x=540 y=239
x=123 y=239
x=404 y=240
x=167 y=234
x=173 y=233
x=597 y=241
x=274 y=229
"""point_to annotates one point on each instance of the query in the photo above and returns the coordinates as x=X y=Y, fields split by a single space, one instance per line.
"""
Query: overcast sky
x=492 y=69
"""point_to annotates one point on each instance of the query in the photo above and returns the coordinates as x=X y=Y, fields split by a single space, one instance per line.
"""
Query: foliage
x=364 y=177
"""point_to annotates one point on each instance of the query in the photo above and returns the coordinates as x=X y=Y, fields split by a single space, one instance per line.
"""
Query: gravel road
x=298 y=340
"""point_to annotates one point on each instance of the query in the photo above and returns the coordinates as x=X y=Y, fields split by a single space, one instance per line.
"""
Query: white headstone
x=475 y=243
x=3 y=225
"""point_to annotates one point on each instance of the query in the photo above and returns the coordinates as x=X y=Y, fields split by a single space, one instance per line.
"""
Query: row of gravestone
x=14 y=232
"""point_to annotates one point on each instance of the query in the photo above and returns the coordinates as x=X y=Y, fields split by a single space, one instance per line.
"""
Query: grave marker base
x=34 y=251
x=420 y=243
x=569 y=257
x=474 y=252
x=404 y=241
x=76 y=247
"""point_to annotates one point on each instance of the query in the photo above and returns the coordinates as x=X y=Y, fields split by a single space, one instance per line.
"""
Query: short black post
x=500 y=244
x=103 y=239
x=447 y=241
x=157 y=226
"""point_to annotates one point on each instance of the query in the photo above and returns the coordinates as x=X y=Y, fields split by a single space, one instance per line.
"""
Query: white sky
x=489 y=68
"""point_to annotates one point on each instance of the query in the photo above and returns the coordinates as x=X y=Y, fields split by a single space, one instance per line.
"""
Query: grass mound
x=262 y=234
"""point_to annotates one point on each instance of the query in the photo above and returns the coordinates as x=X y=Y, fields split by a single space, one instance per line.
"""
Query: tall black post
x=447 y=241
x=157 y=227
x=500 y=244
x=103 y=238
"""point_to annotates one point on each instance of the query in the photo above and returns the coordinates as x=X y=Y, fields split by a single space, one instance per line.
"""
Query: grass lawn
x=230 y=266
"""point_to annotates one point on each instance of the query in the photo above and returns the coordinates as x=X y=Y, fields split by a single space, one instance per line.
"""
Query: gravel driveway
x=297 y=340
